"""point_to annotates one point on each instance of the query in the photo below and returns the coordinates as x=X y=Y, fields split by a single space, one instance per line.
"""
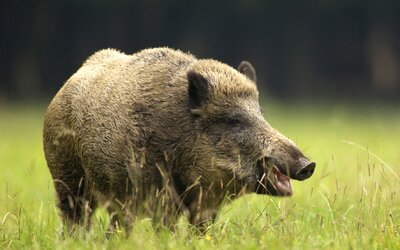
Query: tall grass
x=352 y=201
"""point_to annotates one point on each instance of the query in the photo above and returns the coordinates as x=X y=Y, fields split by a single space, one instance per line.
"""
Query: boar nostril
x=305 y=172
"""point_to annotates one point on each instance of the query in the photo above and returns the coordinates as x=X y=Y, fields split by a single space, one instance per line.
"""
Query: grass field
x=352 y=201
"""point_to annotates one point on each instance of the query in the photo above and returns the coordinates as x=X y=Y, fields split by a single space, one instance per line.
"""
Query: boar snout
x=298 y=169
x=306 y=170
x=274 y=179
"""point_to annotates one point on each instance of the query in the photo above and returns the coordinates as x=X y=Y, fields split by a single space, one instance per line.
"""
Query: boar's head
x=233 y=138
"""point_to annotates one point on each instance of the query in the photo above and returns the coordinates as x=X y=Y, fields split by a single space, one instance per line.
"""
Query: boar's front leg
x=203 y=208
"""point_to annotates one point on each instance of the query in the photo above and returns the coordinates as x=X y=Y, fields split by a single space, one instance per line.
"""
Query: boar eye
x=230 y=121
x=233 y=121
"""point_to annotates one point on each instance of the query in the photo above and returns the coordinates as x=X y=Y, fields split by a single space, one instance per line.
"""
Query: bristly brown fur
x=125 y=132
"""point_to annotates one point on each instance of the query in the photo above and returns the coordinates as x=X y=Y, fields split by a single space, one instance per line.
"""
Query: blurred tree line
x=301 y=49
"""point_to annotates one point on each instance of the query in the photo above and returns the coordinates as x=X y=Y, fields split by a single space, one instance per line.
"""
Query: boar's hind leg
x=75 y=198
x=74 y=193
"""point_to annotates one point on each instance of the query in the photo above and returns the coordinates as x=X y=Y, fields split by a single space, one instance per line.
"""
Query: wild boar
x=162 y=132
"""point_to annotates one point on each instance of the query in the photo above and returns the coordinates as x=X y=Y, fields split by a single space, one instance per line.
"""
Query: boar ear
x=198 y=89
x=248 y=70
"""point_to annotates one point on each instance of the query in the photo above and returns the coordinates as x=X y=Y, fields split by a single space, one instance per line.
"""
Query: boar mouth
x=271 y=180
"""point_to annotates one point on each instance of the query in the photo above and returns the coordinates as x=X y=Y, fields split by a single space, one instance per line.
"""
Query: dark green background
x=308 y=50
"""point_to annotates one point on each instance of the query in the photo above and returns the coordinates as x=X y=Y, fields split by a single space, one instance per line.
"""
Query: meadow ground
x=352 y=201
